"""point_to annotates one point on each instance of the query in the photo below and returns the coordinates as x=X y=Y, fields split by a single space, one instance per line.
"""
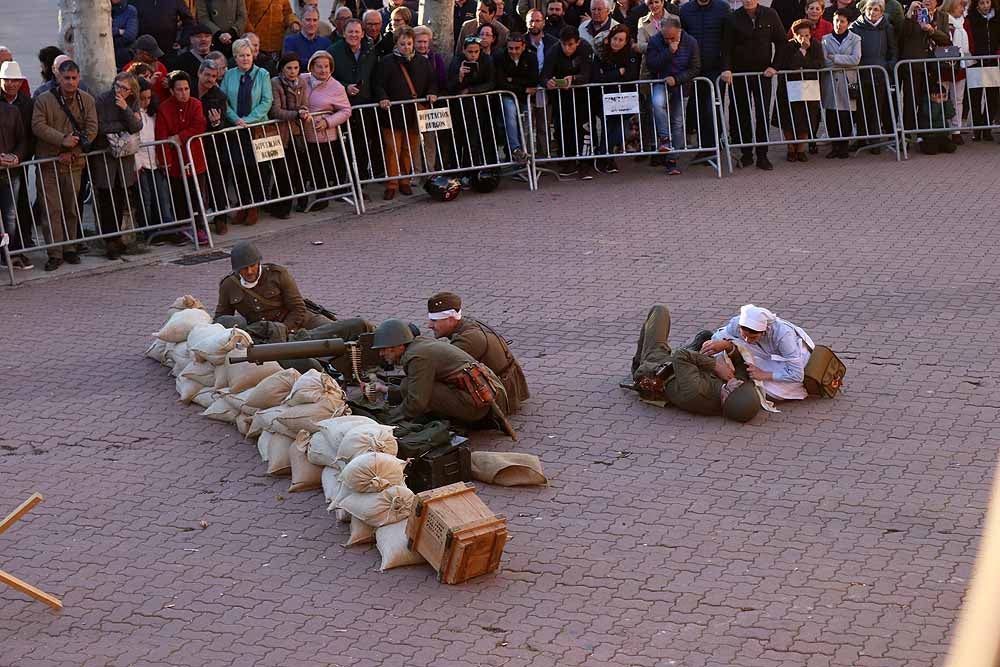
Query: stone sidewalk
x=835 y=533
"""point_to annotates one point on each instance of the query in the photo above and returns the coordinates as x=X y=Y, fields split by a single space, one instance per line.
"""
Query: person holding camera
x=467 y=75
x=64 y=122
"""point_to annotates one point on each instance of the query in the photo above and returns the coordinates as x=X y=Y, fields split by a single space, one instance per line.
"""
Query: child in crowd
x=936 y=112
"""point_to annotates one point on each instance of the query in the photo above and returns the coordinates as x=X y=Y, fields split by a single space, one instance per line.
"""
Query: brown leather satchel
x=824 y=373
x=472 y=380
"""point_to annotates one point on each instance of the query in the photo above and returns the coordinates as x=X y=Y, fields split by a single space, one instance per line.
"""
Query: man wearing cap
x=159 y=18
x=480 y=341
x=225 y=19
x=13 y=151
x=13 y=96
x=148 y=52
x=5 y=57
x=200 y=41
x=435 y=383
x=780 y=350
x=687 y=379
x=267 y=292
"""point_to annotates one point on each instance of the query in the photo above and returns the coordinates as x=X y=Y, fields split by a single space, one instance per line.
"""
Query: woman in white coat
x=841 y=51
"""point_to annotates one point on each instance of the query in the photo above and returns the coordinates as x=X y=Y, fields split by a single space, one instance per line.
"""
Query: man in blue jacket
x=703 y=20
x=673 y=56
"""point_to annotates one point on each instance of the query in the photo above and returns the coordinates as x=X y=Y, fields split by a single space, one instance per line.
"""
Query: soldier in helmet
x=436 y=383
x=687 y=379
x=266 y=296
x=444 y=311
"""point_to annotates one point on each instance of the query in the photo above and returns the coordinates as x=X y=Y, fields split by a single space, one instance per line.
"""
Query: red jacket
x=184 y=121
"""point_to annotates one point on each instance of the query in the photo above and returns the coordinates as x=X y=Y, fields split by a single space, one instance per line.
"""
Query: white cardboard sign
x=432 y=120
x=617 y=104
x=983 y=77
x=268 y=148
x=803 y=91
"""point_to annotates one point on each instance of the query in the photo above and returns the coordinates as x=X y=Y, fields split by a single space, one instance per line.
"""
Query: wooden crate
x=456 y=532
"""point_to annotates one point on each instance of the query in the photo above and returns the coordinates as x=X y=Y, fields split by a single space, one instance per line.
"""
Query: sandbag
x=158 y=350
x=183 y=303
x=361 y=533
x=262 y=421
x=221 y=411
x=507 y=469
x=278 y=461
x=367 y=438
x=307 y=417
x=305 y=476
x=181 y=323
x=204 y=398
x=330 y=478
x=180 y=358
x=243 y=421
x=237 y=401
x=372 y=472
x=273 y=389
x=382 y=507
x=214 y=342
x=263 y=443
x=323 y=449
x=391 y=543
x=312 y=387
x=200 y=372
x=244 y=375
x=187 y=389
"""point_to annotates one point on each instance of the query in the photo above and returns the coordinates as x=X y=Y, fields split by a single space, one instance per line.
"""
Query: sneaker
x=53 y=264
x=665 y=146
x=71 y=258
x=611 y=167
x=568 y=170
x=586 y=173
x=21 y=263
x=520 y=156
x=202 y=237
x=672 y=169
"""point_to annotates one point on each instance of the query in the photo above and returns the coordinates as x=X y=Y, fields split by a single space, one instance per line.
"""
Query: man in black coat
x=567 y=65
x=200 y=45
x=747 y=40
x=159 y=18
x=354 y=61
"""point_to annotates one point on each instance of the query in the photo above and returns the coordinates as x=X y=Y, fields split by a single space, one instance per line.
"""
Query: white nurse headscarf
x=756 y=318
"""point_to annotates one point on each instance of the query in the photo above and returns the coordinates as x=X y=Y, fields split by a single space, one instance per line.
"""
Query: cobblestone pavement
x=835 y=533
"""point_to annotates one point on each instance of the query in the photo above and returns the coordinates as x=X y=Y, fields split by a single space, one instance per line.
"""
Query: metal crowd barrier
x=269 y=163
x=416 y=138
x=976 y=95
x=610 y=120
x=44 y=215
x=852 y=104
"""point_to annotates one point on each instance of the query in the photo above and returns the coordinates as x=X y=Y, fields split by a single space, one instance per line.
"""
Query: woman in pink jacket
x=329 y=108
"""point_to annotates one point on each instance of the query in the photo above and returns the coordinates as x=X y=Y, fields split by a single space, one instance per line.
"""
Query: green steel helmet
x=391 y=333
x=244 y=254
x=743 y=404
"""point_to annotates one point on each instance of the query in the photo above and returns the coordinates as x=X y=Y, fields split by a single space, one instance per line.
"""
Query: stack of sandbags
x=324 y=450
x=313 y=398
x=268 y=393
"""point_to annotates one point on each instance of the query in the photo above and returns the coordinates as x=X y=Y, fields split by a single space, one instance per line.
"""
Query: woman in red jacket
x=180 y=117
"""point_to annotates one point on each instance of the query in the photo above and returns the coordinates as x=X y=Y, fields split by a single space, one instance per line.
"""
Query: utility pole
x=85 y=35
x=439 y=16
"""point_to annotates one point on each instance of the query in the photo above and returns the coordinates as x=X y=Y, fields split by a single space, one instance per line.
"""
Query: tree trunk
x=85 y=35
x=439 y=16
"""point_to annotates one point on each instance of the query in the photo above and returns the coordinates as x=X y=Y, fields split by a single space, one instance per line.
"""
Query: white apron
x=783 y=389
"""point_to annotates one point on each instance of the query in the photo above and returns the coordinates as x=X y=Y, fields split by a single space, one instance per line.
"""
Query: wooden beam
x=23 y=509
x=28 y=589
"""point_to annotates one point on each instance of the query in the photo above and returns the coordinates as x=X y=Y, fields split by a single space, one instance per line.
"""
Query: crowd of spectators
x=196 y=67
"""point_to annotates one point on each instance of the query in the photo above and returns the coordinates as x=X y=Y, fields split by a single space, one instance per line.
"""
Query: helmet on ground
x=391 y=333
x=743 y=404
x=443 y=188
x=485 y=180
x=244 y=254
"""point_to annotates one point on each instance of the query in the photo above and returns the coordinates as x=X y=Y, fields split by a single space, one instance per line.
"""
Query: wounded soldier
x=686 y=378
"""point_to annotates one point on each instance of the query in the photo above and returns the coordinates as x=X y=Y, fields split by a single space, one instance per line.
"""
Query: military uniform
x=274 y=298
x=489 y=348
x=427 y=390
x=690 y=382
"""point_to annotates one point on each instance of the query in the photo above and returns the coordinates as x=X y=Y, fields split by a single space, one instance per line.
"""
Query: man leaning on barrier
x=673 y=56
x=568 y=65
x=752 y=33
x=64 y=122
x=516 y=71
x=14 y=97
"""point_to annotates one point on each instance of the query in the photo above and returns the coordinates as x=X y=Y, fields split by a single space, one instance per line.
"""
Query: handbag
x=953 y=56
x=123 y=144
x=824 y=373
